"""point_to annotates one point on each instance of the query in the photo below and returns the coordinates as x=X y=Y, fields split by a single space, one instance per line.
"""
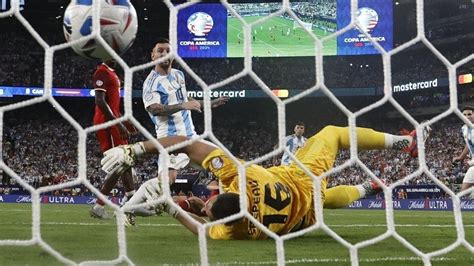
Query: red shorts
x=109 y=138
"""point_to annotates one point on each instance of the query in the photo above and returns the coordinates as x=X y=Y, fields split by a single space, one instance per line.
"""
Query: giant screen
x=210 y=30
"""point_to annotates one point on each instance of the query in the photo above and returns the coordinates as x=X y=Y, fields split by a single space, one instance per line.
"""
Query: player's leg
x=145 y=191
x=341 y=196
x=468 y=181
x=152 y=189
x=105 y=142
x=127 y=176
x=319 y=154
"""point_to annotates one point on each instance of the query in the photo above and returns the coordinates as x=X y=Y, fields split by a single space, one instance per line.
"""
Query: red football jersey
x=105 y=79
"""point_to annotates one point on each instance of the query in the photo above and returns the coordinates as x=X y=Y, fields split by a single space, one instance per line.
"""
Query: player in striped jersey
x=293 y=143
x=468 y=135
x=165 y=97
x=280 y=198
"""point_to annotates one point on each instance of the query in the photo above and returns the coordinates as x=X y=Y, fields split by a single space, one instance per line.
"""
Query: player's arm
x=197 y=151
x=194 y=228
x=214 y=103
x=103 y=105
x=119 y=159
x=463 y=154
x=157 y=109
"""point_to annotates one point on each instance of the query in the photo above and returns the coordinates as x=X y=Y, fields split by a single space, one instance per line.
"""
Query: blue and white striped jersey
x=293 y=143
x=168 y=90
x=468 y=135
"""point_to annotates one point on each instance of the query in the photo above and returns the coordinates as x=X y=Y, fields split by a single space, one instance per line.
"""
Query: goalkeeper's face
x=208 y=206
x=159 y=51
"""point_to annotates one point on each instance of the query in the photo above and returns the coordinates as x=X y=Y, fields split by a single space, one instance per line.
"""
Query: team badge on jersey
x=175 y=85
x=217 y=163
x=99 y=83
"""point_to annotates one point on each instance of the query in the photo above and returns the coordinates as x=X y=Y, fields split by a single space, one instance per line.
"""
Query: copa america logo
x=200 y=24
x=367 y=19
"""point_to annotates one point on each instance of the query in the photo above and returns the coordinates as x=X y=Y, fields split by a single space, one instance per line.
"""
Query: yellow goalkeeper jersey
x=281 y=197
x=278 y=197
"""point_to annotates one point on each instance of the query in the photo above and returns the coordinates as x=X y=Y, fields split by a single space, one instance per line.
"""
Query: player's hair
x=162 y=40
x=225 y=205
x=468 y=107
x=299 y=124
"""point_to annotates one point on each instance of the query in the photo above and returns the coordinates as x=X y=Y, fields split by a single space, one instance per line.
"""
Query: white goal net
x=352 y=248
x=305 y=25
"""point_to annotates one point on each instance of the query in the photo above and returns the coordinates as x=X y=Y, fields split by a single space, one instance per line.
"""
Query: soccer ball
x=118 y=27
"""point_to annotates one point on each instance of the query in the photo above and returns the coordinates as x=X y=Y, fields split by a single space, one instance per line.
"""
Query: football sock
x=397 y=142
x=341 y=196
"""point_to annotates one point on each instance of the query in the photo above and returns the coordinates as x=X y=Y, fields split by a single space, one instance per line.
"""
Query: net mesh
x=427 y=258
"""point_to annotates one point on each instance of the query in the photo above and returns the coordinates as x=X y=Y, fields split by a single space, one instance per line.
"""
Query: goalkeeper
x=280 y=198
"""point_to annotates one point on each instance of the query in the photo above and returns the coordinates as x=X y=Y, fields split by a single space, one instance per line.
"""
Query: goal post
x=306 y=25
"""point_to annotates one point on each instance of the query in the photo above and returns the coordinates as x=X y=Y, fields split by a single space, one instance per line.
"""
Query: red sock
x=214 y=192
x=100 y=202
x=184 y=204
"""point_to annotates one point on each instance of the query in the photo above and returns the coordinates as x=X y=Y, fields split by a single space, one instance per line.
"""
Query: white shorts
x=176 y=162
x=469 y=176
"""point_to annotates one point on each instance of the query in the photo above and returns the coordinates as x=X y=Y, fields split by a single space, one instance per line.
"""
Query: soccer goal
x=305 y=25
x=153 y=239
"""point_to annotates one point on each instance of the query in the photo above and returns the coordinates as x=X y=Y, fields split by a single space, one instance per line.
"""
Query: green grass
x=160 y=240
x=298 y=44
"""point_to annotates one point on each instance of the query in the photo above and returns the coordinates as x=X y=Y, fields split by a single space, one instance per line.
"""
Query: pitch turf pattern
x=297 y=44
x=161 y=240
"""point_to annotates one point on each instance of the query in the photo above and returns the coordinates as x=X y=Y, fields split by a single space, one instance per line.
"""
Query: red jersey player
x=107 y=100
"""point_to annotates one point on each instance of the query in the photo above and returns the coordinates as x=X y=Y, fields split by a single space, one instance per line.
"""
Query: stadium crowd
x=53 y=157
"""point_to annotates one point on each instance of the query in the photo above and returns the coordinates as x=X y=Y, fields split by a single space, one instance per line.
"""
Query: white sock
x=397 y=142
x=129 y=193
x=137 y=197
x=97 y=206
x=361 y=191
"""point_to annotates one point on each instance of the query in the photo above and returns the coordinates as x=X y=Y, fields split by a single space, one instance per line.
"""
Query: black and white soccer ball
x=118 y=27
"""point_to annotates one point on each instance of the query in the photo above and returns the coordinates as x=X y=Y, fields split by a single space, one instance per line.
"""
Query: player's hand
x=169 y=208
x=117 y=160
x=219 y=101
x=192 y=105
x=123 y=131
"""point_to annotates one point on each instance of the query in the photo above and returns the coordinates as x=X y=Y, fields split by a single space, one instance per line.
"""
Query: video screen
x=210 y=30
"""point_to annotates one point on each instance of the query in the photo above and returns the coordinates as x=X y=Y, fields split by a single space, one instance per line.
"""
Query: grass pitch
x=69 y=230
x=276 y=42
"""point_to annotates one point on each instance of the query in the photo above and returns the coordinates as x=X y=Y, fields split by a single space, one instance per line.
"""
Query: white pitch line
x=331 y=260
x=177 y=225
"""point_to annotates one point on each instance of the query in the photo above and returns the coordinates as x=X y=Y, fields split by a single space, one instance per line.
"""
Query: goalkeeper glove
x=154 y=190
x=171 y=209
x=117 y=160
